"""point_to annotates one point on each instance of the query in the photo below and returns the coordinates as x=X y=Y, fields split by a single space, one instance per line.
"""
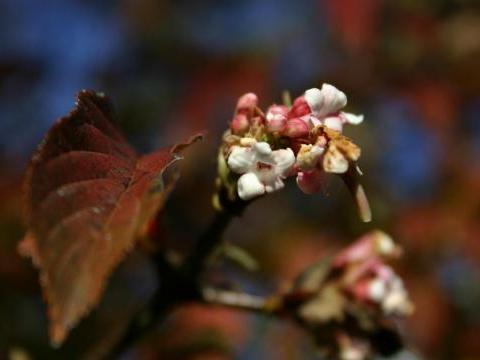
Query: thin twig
x=236 y=300
x=207 y=243
x=162 y=300
x=177 y=284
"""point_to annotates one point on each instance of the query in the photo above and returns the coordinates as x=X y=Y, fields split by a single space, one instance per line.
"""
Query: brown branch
x=178 y=284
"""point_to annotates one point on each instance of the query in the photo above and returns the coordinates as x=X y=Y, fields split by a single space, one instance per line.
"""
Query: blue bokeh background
x=174 y=67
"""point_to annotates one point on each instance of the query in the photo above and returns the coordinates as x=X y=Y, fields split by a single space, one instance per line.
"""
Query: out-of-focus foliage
x=175 y=66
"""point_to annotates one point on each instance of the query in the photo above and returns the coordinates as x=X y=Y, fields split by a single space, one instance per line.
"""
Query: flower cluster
x=303 y=140
x=347 y=301
x=368 y=279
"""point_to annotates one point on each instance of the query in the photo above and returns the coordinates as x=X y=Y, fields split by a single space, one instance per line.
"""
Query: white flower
x=387 y=290
x=262 y=168
x=396 y=301
x=325 y=105
x=377 y=290
x=336 y=121
x=325 y=101
x=350 y=118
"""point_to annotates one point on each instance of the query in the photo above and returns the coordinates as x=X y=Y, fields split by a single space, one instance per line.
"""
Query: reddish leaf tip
x=178 y=148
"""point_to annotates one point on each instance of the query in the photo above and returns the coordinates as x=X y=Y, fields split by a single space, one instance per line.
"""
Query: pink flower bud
x=310 y=182
x=370 y=246
x=240 y=124
x=295 y=128
x=276 y=118
x=300 y=108
x=246 y=103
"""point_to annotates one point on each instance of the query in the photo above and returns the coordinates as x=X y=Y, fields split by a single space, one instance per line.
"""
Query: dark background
x=174 y=67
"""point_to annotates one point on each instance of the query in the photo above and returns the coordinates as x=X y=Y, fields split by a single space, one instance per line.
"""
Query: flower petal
x=333 y=99
x=397 y=302
x=310 y=182
x=315 y=100
x=308 y=156
x=276 y=118
x=241 y=159
x=325 y=101
x=334 y=123
x=334 y=161
x=296 y=127
x=262 y=149
x=284 y=160
x=274 y=186
x=249 y=186
x=246 y=103
x=299 y=108
x=377 y=290
x=352 y=118
x=314 y=121
x=239 y=124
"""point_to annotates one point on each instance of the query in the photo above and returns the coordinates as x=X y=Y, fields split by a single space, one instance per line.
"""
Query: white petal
x=353 y=118
x=249 y=186
x=262 y=148
x=385 y=244
x=241 y=159
x=396 y=302
x=334 y=123
x=266 y=174
x=353 y=353
x=274 y=186
x=315 y=100
x=314 y=121
x=333 y=99
x=334 y=161
x=284 y=160
x=377 y=290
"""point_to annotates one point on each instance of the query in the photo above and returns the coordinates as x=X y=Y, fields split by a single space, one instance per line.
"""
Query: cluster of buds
x=349 y=301
x=368 y=279
x=304 y=140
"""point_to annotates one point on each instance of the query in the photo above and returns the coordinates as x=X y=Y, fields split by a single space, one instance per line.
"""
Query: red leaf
x=88 y=196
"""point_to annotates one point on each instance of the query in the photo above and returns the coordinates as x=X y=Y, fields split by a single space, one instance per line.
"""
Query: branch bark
x=178 y=284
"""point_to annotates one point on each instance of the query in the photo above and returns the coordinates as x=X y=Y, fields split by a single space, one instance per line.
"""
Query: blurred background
x=175 y=67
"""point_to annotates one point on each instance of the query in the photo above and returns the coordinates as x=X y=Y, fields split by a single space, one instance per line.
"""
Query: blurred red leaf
x=88 y=197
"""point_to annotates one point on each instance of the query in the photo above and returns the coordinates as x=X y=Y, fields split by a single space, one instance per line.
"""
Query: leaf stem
x=351 y=179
